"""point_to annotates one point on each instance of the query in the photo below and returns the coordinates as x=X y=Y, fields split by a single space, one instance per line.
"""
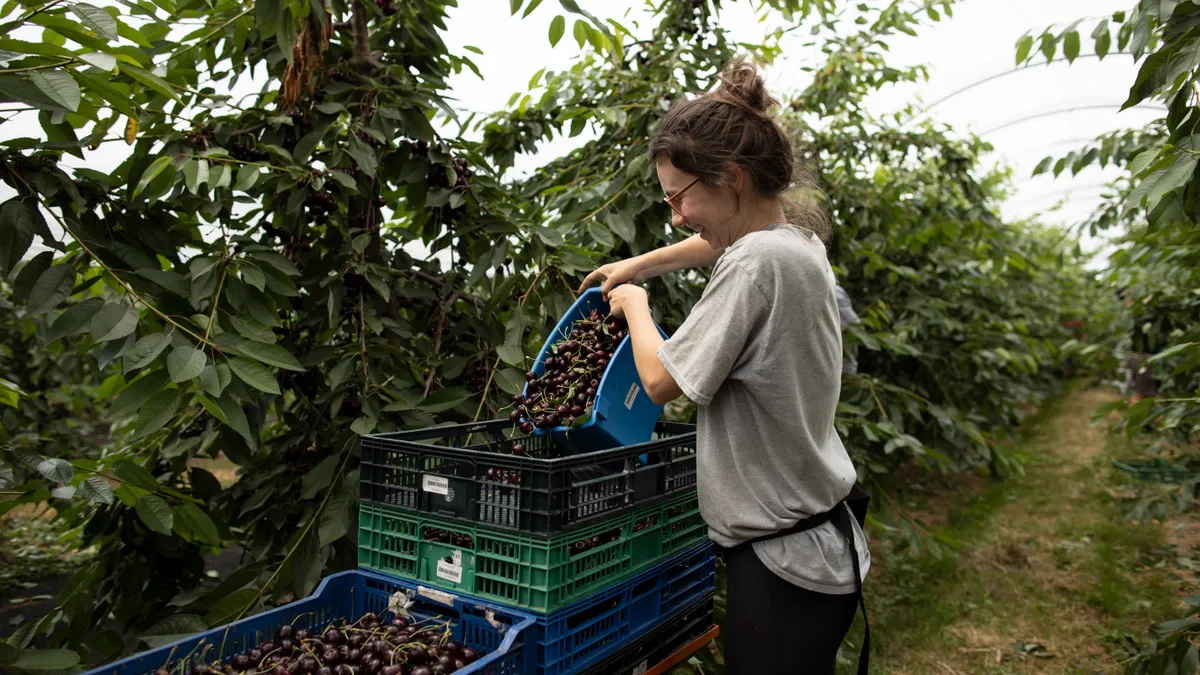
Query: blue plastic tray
x=589 y=631
x=622 y=414
x=349 y=595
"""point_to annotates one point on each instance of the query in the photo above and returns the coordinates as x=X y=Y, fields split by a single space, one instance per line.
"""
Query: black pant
x=773 y=627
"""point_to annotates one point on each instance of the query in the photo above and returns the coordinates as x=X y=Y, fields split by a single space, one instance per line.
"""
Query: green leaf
x=273 y=355
x=363 y=155
x=1103 y=44
x=59 y=87
x=278 y=262
x=306 y=568
x=1049 y=46
x=150 y=80
x=307 y=144
x=532 y=6
x=29 y=274
x=229 y=607
x=621 y=224
x=46 y=659
x=600 y=234
x=185 y=363
x=136 y=475
x=236 y=418
x=319 y=477
x=336 y=518
x=157 y=412
x=51 y=288
x=138 y=392
x=17 y=226
x=511 y=380
x=196 y=522
x=514 y=6
x=113 y=322
x=364 y=425
x=105 y=62
x=1178 y=175
x=74 y=320
x=64 y=492
x=254 y=375
x=145 y=351
x=1143 y=160
x=254 y=276
x=173 y=629
x=252 y=328
x=247 y=176
x=444 y=399
x=1071 y=46
x=557 y=27
x=152 y=172
x=581 y=32
x=155 y=514
x=97 y=19
x=96 y=490
x=56 y=470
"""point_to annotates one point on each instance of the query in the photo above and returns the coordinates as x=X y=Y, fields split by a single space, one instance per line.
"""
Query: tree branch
x=362 y=56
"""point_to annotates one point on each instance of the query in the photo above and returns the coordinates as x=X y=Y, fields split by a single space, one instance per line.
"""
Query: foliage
x=1173 y=649
x=270 y=281
x=1153 y=205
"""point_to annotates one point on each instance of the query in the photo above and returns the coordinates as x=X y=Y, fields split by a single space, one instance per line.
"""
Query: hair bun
x=741 y=84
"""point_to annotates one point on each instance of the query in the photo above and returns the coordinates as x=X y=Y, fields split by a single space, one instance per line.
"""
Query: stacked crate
x=603 y=548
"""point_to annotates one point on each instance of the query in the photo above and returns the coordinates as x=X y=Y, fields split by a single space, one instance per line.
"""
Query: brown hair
x=731 y=124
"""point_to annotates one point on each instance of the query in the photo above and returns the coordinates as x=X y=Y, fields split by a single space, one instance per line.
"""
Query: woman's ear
x=737 y=177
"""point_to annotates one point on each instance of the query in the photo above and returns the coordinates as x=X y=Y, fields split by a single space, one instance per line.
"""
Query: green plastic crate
x=541 y=574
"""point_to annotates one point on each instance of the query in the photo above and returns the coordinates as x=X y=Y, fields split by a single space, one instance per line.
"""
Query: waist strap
x=854 y=503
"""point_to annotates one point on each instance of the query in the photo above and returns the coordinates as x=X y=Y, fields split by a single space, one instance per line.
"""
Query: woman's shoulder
x=779 y=248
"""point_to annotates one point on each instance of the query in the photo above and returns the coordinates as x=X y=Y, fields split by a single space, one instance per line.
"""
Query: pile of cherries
x=589 y=543
x=369 y=646
x=567 y=389
x=440 y=536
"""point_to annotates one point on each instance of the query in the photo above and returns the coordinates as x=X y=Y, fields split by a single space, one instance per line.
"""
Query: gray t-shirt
x=761 y=356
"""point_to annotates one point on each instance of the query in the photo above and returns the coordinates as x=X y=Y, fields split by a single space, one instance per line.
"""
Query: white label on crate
x=642 y=668
x=631 y=396
x=438 y=485
x=457 y=558
x=449 y=572
x=437 y=596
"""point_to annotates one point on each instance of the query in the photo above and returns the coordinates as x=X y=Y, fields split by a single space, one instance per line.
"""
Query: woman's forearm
x=687 y=254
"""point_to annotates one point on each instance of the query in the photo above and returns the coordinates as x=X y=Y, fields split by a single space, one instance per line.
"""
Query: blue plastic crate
x=500 y=632
x=622 y=413
x=589 y=631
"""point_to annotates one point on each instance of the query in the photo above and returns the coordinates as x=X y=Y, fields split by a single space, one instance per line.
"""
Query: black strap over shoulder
x=855 y=503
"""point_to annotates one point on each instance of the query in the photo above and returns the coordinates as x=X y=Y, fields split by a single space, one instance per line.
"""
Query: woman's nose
x=677 y=220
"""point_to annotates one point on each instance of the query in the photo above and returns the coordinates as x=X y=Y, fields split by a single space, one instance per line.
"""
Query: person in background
x=846 y=316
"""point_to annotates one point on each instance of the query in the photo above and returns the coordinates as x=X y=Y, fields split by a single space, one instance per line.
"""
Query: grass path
x=1048 y=578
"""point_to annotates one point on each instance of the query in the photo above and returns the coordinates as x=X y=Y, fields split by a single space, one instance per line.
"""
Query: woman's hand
x=613 y=274
x=627 y=299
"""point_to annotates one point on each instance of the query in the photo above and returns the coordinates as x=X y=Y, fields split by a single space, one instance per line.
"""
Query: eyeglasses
x=671 y=200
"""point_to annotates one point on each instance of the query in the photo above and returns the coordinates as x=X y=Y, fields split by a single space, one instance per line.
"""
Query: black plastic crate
x=436 y=471
x=659 y=643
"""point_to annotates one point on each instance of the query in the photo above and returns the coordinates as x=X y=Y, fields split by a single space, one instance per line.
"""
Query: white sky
x=976 y=43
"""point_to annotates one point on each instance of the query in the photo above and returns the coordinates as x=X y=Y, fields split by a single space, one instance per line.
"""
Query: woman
x=760 y=354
